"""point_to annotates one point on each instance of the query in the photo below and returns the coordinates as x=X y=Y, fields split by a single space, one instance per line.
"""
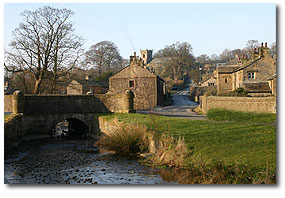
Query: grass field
x=253 y=145
x=247 y=117
x=7 y=116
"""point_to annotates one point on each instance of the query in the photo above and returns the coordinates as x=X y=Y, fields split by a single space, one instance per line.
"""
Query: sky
x=209 y=28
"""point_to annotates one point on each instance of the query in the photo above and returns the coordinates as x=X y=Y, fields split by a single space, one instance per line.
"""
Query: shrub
x=240 y=92
x=125 y=139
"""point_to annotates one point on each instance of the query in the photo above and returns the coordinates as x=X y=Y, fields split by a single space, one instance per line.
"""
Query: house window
x=251 y=75
x=131 y=83
x=226 y=80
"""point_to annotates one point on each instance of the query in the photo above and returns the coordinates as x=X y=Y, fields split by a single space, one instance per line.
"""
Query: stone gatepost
x=128 y=101
x=18 y=102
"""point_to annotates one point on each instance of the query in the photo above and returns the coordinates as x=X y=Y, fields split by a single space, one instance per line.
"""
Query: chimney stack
x=265 y=44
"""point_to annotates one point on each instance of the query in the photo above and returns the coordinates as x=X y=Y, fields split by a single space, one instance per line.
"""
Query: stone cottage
x=210 y=81
x=149 y=89
x=252 y=75
x=82 y=86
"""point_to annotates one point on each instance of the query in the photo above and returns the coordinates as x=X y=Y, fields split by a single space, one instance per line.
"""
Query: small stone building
x=210 y=82
x=149 y=89
x=82 y=86
x=253 y=75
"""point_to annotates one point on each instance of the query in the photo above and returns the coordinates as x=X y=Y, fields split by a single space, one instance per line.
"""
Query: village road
x=181 y=107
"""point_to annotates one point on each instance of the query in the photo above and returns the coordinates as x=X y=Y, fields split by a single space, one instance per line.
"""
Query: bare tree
x=226 y=55
x=104 y=56
x=273 y=48
x=203 y=58
x=250 y=45
x=178 y=59
x=43 y=42
x=214 y=57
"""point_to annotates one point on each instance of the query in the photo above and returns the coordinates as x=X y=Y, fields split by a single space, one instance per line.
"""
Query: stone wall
x=224 y=82
x=8 y=105
x=38 y=114
x=64 y=104
x=247 y=104
x=144 y=90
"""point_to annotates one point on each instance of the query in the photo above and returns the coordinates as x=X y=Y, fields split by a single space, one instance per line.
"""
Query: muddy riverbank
x=73 y=161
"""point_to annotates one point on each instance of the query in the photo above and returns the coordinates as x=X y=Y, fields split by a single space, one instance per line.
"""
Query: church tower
x=146 y=56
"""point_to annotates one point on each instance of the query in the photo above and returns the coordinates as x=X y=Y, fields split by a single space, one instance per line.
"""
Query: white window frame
x=251 y=75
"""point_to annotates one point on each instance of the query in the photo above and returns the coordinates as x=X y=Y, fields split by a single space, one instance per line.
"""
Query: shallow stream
x=73 y=161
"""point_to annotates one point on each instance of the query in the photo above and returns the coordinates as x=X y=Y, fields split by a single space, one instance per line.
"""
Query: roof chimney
x=265 y=44
x=262 y=44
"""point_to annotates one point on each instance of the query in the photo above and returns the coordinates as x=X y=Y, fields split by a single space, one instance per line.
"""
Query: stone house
x=82 y=86
x=210 y=82
x=149 y=89
x=253 y=75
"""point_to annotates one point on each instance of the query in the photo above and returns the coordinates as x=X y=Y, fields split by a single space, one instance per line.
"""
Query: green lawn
x=233 y=143
x=7 y=116
x=227 y=115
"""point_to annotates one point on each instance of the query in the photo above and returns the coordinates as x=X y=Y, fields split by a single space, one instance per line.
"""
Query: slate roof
x=257 y=87
x=210 y=79
x=227 y=69
x=92 y=83
x=132 y=72
x=247 y=64
x=135 y=71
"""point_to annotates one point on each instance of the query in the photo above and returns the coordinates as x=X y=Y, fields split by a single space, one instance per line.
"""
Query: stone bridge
x=38 y=114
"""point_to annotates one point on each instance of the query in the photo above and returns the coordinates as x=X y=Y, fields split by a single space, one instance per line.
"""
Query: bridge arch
x=44 y=124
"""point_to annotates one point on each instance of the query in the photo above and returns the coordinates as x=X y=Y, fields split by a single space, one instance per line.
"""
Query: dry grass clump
x=125 y=139
x=170 y=151
x=128 y=139
x=217 y=173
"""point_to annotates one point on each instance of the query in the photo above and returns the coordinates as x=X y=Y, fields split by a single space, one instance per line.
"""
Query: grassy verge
x=236 y=144
x=249 y=117
x=8 y=116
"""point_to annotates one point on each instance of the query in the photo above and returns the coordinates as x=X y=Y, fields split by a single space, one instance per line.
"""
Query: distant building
x=82 y=86
x=149 y=89
x=253 y=75
x=211 y=82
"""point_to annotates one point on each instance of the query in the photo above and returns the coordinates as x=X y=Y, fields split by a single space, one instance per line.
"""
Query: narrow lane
x=181 y=108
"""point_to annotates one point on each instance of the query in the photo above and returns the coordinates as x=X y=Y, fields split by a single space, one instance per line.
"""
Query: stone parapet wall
x=39 y=114
x=64 y=104
x=246 y=104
